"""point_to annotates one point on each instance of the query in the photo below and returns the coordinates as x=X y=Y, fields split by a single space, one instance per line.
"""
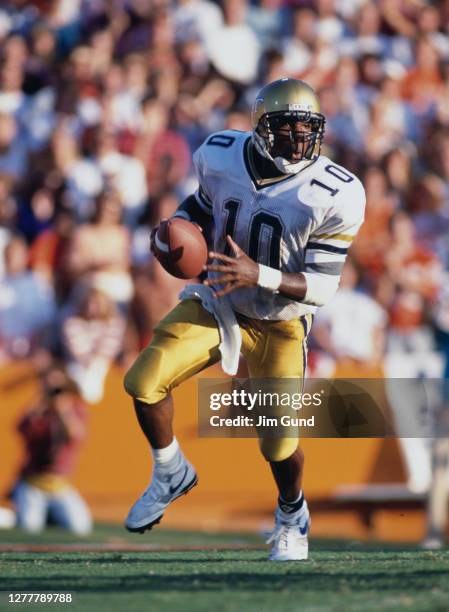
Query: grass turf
x=338 y=576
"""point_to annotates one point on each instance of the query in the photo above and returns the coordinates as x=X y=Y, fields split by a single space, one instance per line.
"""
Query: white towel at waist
x=231 y=337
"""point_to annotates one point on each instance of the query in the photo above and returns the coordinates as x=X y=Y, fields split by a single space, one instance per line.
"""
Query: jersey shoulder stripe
x=342 y=237
x=319 y=246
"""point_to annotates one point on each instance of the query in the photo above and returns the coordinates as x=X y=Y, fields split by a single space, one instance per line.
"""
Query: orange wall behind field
x=236 y=489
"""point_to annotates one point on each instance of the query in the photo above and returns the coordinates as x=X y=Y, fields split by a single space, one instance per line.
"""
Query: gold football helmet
x=287 y=124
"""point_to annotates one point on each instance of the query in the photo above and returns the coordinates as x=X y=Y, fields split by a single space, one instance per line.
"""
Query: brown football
x=180 y=247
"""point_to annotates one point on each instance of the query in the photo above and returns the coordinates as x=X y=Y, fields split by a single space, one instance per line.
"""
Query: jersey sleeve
x=328 y=246
x=214 y=161
x=190 y=210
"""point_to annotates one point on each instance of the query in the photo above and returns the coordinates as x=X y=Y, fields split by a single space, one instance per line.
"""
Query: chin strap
x=283 y=165
x=289 y=168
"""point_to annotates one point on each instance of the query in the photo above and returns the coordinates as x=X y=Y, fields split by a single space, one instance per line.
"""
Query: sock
x=291 y=507
x=164 y=456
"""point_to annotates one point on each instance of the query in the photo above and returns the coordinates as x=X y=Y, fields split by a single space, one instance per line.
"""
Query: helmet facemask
x=289 y=146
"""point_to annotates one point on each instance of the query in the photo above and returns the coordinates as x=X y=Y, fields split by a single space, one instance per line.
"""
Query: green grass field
x=211 y=573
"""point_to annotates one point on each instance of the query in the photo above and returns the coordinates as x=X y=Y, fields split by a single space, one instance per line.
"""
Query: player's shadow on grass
x=291 y=577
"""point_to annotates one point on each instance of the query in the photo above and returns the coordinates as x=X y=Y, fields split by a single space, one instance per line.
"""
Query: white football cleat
x=289 y=538
x=162 y=491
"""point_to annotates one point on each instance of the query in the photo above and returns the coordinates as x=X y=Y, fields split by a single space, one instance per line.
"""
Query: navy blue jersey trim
x=318 y=246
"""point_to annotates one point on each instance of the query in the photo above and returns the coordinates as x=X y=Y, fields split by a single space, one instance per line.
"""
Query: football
x=180 y=247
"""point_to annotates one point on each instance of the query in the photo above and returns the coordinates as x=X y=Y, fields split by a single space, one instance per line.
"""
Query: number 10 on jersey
x=258 y=221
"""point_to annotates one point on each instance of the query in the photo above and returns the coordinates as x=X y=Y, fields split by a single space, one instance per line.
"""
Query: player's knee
x=143 y=379
x=278 y=449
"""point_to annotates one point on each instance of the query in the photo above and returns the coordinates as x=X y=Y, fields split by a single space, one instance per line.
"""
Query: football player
x=284 y=217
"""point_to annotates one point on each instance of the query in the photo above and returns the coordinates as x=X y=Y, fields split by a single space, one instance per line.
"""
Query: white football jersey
x=303 y=223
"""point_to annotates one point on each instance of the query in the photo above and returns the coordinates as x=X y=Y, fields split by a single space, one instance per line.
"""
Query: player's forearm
x=293 y=286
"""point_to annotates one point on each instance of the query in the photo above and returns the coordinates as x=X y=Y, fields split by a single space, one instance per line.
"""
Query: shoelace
x=281 y=534
x=155 y=490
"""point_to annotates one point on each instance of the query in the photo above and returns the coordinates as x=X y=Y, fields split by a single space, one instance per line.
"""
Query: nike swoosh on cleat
x=156 y=521
x=172 y=489
x=305 y=529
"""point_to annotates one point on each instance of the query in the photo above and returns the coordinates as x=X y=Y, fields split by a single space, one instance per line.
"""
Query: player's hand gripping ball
x=235 y=272
x=180 y=247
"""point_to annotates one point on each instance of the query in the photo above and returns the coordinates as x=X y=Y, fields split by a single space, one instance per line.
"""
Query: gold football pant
x=186 y=341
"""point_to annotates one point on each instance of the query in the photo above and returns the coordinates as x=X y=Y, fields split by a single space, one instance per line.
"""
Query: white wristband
x=269 y=278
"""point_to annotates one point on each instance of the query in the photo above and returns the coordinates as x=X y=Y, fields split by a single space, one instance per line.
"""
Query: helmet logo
x=258 y=103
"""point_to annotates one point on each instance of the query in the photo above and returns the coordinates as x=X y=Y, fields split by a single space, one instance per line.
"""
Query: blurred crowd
x=102 y=103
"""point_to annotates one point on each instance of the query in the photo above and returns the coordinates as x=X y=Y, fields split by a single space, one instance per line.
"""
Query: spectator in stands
x=52 y=431
x=122 y=173
x=41 y=64
x=92 y=336
x=225 y=53
x=351 y=329
x=423 y=82
x=12 y=97
x=415 y=273
x=164 y=152
x=389 y=121
x=429 y=209
x=27 y=304
x=298 y=48
x=121 y=103
x=13 y=150
x=398 y=171
x=81 y=175
x=37 y=215
x=48 y=251
x=371 y=244
x=99 y=251
x=8 y=217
